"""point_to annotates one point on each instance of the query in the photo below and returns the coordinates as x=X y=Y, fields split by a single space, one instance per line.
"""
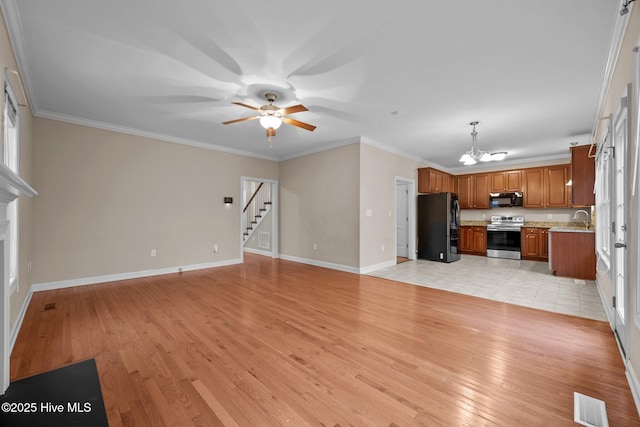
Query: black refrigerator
x=438 y=227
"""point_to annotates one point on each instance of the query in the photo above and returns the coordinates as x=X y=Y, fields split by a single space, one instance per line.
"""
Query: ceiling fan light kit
x=271 y=116
x=474 y=154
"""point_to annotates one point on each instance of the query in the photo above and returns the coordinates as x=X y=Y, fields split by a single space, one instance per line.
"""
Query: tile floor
x=527 y=283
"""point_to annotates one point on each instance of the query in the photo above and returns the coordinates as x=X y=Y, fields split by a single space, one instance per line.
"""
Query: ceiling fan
x=272 y=116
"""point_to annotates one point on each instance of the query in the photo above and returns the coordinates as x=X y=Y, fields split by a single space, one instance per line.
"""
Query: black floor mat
x=68 y=396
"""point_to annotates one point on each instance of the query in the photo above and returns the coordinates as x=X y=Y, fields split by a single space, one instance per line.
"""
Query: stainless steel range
x=504 y=236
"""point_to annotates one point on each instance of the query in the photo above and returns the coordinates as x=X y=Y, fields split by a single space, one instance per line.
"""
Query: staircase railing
x=258 y=205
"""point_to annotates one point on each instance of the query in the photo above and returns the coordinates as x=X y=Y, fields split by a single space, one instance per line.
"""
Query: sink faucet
x=586 y=222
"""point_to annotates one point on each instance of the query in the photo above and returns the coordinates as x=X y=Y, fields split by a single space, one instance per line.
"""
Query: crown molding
x=146 y=134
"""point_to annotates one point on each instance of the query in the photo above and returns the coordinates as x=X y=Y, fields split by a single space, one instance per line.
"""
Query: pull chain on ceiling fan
x=272 y=116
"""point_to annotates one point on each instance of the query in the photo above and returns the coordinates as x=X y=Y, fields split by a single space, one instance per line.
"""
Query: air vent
x=49 y=306
x=588 y=411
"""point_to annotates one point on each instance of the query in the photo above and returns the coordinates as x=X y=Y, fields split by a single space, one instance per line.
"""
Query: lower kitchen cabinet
x=573 y=254
x=473 y=240
x=535 y=243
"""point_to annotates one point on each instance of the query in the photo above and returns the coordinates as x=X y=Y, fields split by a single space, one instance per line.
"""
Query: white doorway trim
x=620 y=215
x=411 y=211
x=274 y=215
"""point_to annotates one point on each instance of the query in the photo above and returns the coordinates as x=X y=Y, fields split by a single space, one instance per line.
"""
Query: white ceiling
x=408 y=75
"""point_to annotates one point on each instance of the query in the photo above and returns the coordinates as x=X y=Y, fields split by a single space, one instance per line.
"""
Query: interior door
x=402 y=219
x=619 y=230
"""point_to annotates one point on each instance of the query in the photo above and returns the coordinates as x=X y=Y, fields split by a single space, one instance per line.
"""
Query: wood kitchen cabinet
x=473 y=240
x=465 y=239
x=583 y=176
x=546 y=187
x=473 y=191
x=432 y=180
x=452 y=184
x=465 y=190
x=535 y=243
x=506 y=181
x=481 y=191
x=573 y=254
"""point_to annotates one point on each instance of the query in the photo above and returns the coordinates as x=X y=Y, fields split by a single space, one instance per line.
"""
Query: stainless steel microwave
x=505 y=200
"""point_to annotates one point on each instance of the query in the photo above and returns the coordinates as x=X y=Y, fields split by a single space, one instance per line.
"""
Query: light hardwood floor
x=273 y=342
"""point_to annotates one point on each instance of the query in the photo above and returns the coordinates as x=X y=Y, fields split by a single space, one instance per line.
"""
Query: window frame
x=13 y=217
x=603 y=199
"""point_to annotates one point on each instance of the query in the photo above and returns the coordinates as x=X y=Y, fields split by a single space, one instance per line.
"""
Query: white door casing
x=620 y=220
x=411 y=214
x=402 y=219
x=274 y=214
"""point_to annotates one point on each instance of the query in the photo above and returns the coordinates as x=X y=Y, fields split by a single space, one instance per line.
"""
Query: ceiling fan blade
x=298 y=123
x=240 y=120
x=294 y=109
x=246 y=106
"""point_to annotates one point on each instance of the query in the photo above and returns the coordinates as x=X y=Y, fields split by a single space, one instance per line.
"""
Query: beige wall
x=378 y=172
x=7 y=59
x=623 y=74
x=319 y=204
x=106 y=199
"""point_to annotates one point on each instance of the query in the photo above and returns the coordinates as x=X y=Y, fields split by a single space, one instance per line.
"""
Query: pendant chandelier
x=472 y=156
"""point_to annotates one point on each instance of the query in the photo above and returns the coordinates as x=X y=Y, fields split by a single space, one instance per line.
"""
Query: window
x=10 y=159
x=603 y=200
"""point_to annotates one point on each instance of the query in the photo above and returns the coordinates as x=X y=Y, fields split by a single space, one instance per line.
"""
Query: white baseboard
x=16 y=327
x=324 y=264
x=607 y=307
x=61 y=284
x=340 y=267
x=634 y=384
x=369 y=269
x=259 y=252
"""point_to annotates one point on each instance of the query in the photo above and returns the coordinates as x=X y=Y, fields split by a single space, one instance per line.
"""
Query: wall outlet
x=215 y=248
x=368 y=212
x=315 y=247
x=153 y=252
x=382 y=248
x=29 y=267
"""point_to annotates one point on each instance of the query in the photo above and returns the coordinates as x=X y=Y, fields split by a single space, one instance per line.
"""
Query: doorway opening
x=259 y=217
x=405 y=219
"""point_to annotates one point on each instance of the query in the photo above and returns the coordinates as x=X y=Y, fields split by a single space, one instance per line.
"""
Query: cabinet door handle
x=619 y=245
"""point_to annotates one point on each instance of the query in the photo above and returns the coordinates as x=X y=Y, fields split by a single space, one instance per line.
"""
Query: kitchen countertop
x=552 y=226
x=573 y=229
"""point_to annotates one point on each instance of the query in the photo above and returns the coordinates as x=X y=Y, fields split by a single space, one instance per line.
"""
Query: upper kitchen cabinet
x=432 y=180
x=481 y=191
x=546 y=187
x=506 y=181
x=473 y=191
x=583 y=175
x=453 y=183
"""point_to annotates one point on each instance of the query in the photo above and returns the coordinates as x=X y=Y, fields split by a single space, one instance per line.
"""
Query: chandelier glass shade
x=474 y=154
